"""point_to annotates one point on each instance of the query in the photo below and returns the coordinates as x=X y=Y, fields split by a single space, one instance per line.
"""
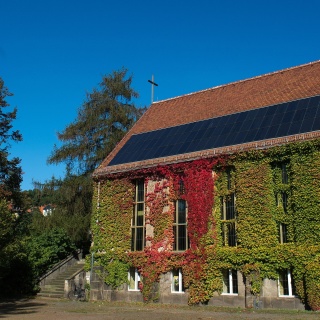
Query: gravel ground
x=53 y=309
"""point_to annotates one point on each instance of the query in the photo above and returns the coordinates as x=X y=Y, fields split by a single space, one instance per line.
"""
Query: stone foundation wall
x=268 y=299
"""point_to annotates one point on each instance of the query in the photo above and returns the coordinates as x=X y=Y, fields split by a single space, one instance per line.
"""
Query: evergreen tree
x=10 y=170
x=102 y=121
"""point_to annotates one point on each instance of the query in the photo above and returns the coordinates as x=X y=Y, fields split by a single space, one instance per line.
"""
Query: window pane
x=283 y=283
x=284 y=233
x=140 y=214
x=175 y=280
x=133 y=220
x=230 y=214
x=139 y=239
x=132 y=278
x=182 y=216
x=140 y=190
x=175 y=238
x=222 y=209
x=226 y=286
x=232 y=234
x=182 y=238
x=133 y=237
x=234 y=281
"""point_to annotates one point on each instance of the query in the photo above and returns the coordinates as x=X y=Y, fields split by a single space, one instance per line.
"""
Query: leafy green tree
x=17 y=273
x=47 y=249
x=44 y=192
x=7 y=222
x=72 y=203
x=15 y=269
x=73 y=212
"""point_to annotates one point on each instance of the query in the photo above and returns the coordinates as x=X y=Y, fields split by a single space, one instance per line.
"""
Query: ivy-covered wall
x=256 y=226
x=110 y=227
x=305 y=171
x=263 y=201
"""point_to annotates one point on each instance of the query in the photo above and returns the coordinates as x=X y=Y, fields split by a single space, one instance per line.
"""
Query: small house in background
x=46 y=210
x=213 y=198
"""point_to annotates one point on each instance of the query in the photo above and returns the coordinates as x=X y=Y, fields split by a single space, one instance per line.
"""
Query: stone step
x=55 y=285
x=54 y=288
x=68 y=273
x=51 y=295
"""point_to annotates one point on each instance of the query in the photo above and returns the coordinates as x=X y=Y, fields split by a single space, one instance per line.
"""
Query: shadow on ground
x=21 y=306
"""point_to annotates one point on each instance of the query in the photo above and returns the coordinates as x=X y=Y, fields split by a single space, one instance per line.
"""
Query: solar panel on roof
x=316 y=124
x=274 y=121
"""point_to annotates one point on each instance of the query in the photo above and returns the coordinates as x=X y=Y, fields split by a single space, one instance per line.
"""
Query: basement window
x=133 y=279
x=285 y=284
x=230 y=282
x=176 y=281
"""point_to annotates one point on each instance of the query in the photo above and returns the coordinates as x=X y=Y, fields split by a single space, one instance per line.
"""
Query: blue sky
x=53 y=52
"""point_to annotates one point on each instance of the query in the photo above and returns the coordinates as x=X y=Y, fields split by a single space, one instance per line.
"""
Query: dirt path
x=49 y=309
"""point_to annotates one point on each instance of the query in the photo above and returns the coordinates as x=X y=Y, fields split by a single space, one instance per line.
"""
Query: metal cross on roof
x=152 y=87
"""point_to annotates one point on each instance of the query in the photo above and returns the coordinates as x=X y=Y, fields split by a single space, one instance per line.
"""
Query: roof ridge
x=239 y=81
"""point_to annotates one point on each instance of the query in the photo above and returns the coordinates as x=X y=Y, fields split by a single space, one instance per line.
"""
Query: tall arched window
x=138 y=219
x=180 y=226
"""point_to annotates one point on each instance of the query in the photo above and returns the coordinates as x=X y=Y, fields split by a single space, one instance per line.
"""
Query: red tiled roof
x=273 y=88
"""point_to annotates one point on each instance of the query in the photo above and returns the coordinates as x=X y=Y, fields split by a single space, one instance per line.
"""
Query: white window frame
x=290 y=289
x=230 y=284
x=136 y=279
x=179 y=280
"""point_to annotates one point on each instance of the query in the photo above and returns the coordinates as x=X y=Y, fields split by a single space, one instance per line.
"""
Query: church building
x=213 y=198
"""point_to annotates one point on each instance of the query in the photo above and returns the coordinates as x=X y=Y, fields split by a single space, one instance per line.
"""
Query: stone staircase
x=54 y=288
